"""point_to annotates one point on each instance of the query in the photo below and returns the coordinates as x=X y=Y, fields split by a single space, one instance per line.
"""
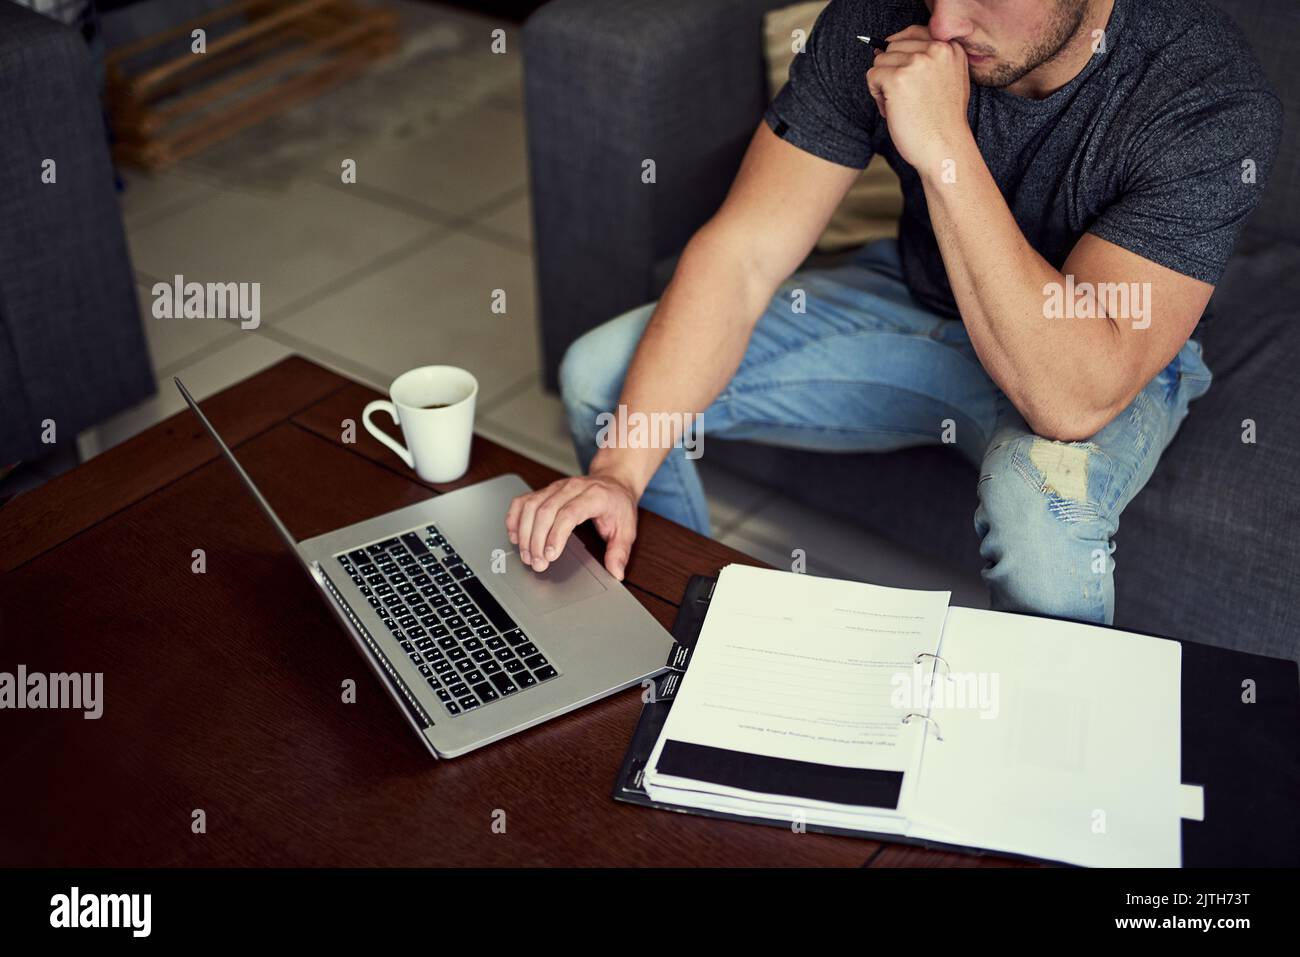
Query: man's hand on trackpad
x=540 y=522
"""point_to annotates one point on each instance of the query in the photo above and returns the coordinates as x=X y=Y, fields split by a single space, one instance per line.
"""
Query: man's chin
x=991 y=73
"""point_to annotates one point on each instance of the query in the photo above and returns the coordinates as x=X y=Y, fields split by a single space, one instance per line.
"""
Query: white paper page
x=798 y=667
x=1074 y=751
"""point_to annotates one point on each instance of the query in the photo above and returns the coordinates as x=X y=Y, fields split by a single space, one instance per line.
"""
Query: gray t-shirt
x=1150 y=147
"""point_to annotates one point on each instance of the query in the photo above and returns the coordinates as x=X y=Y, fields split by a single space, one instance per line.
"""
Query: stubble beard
x=1066 y=20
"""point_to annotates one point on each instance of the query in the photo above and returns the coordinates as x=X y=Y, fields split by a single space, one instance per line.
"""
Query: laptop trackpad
x=565 y=581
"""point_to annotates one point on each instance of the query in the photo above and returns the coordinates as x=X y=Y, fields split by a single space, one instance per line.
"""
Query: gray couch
x=1210 y=550
x=72 y=348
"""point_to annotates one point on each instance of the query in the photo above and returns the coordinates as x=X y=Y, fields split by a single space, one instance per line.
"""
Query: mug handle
x=382 y=405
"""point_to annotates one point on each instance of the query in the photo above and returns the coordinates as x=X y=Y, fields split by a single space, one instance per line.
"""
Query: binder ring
x=938 y=735
x=947 y=668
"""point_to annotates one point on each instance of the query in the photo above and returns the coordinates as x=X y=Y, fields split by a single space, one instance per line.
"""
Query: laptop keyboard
x=469 y=650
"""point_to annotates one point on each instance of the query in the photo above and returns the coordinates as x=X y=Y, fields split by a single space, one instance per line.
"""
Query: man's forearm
x=1064 y=377
x=691 y=348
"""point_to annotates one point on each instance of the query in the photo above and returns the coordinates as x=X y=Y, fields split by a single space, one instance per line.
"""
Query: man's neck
x=1048 y=77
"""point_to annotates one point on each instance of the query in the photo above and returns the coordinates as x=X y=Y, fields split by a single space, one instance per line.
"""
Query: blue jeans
x=865 y=369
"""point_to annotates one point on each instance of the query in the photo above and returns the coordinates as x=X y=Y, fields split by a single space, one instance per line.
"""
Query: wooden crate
x=279 y=53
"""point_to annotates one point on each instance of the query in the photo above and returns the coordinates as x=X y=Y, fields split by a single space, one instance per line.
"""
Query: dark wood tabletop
x=223 y=690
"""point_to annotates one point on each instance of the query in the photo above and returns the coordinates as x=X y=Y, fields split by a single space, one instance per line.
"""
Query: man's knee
x=593 y=367
x=1045 y=541
x=583 y=370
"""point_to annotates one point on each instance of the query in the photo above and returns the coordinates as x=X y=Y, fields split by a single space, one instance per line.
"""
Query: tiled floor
x=398 y=268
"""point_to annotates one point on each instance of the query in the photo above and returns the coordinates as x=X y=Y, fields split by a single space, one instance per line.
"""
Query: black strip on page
x=860 y=787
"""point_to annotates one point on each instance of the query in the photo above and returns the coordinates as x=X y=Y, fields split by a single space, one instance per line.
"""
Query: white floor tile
x=345 y=365
x=563 y=460
x=293 y=241
x=173 y=340
x=514 y=219
x=434 y=307
x=532 y=421
x=462 y=164
x=248 y=354
x=147 y=195
x=443 y=69
x=510 y=96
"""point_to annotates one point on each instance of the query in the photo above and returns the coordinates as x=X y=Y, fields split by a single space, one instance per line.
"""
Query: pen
x=874 y=44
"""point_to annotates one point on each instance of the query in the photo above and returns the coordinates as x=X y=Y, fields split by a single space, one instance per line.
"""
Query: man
x=1074 y=172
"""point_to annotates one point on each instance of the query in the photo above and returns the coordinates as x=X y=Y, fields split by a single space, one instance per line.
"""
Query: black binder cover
x=1245 y=755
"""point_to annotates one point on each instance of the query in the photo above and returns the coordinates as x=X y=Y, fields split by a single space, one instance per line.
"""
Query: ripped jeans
x=864 y=368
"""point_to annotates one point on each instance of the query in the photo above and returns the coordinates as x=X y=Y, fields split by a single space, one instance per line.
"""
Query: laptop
x=471 y=644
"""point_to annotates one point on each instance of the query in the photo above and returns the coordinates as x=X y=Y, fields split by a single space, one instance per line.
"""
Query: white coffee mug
x=434 y=405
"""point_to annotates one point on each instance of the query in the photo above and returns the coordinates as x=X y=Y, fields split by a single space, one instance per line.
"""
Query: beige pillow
x=874 y=203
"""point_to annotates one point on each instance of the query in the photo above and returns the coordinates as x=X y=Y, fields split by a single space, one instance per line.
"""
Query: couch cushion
x=72 y=349
x=1209 y=550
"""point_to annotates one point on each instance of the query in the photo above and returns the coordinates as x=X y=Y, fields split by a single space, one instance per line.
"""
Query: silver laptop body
x=471 y=644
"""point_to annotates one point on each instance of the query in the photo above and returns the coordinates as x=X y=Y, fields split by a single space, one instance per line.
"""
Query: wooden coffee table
x=223 y=690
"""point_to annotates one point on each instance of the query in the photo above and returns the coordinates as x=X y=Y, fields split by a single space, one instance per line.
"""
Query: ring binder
x=1250 y=785
x=938 y=735
x=926 y=654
